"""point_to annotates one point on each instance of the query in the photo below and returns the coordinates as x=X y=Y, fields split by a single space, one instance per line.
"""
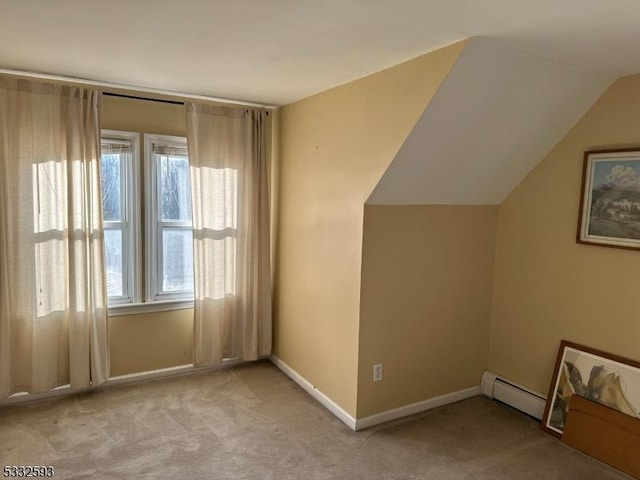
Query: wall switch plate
x=377 y=372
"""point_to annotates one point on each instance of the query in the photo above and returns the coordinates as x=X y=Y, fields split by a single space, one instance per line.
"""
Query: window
x=169 y=227
x=120 y=214
x=161 y=199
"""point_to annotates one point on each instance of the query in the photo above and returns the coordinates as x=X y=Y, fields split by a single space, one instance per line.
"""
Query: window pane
x=111 y=194
x=113 y=257
x=177 y=260
x=175 y=188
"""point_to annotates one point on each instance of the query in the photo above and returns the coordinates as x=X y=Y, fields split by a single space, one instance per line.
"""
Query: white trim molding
x=377 y=419
x=130 y=88
x=311 y=389
x=24 y=397
x=417 y=407
x=513 y=394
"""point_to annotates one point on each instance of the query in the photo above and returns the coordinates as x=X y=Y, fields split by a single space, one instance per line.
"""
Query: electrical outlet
x=377 y=372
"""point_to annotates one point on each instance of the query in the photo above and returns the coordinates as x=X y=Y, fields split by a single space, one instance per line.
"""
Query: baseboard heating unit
x=516 y=396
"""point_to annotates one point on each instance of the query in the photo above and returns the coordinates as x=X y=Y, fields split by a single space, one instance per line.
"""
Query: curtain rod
x=58 y=78
x=134 y=97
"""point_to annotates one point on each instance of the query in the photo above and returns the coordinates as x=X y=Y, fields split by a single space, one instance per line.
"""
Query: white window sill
x=150 y=307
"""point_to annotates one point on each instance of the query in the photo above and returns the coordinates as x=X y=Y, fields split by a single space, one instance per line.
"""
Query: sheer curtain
x=230 y=191
x=53 y=327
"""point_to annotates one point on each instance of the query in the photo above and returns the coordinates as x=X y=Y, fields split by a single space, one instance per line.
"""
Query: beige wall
x=148 y=341
x=427 y=276
x=547 y=287
x=334 y=147
x=143 y=116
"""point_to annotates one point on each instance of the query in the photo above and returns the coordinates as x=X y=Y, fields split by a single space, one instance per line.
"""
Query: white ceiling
x=278 y=51
x=496 y=115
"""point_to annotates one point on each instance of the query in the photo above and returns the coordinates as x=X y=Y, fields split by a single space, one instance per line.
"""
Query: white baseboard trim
x=24 y=397
x=517 y=396
x=366 y=422
x=169 y=372
x=329 y=404
x=417 y=407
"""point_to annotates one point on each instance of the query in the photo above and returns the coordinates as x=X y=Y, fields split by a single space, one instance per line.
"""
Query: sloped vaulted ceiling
x=494 y=118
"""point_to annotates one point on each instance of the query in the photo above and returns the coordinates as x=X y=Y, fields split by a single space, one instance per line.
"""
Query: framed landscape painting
x=603 y=378
x=610 y=200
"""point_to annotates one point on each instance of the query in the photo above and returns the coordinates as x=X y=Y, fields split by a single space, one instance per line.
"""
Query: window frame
x=155 y=225
x=136 y=246
x=129 y=224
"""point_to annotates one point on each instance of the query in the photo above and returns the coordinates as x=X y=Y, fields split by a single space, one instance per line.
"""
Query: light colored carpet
x=252 y=422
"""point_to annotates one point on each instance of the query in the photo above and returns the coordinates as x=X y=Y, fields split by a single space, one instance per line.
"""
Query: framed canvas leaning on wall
x=598 y=376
